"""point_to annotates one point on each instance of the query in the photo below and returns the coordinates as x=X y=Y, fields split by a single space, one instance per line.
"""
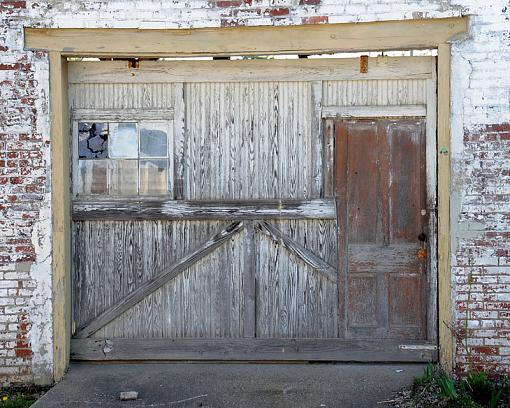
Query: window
x=122 y=158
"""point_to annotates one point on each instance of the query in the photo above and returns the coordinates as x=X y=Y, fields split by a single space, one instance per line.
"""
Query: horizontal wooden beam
x=374 y=111
x=251 y=350
x=155 y=283
x=122 y=114
x=312 y=69
x=300 y=251
x=302 y=39
x=161 y=209
x=390 y=259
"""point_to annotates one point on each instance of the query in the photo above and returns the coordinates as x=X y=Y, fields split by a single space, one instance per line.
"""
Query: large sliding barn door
x=207 y=218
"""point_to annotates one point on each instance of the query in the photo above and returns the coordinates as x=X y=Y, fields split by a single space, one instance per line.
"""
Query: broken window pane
x=153 y=177
x=153 y=139
x=93 y=177
x=92 y=140
x=123 y=140
x=124 y=177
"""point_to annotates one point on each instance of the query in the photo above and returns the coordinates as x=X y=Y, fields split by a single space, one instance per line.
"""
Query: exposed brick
x=315 y=20
x=282 y=11
x=313 y=2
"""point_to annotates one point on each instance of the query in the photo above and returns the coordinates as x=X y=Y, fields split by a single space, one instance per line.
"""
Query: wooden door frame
x=261 y=40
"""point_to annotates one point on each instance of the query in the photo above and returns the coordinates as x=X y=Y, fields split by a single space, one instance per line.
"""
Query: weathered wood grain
x=179 y=137
x=382 y=165
x=251 y=350
x=244 y=140
x=431 y=163
x=164 y=209
x=300 y=251
x=295 y=300
x=341 y=193
x=121 y=114
x=317 y=140
x=328 y=160
x=262 y=40
x=373 y=111
x=61 y=264
x=249 y=324
x=134 y=97
x=368 y=93
x=204 y=300
x=446 y=318
x=141 y=291
x=335 y=69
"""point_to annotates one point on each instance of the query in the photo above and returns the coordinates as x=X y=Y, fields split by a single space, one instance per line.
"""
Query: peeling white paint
x=41 y=329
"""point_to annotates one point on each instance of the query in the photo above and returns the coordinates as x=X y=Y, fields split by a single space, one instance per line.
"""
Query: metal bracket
x=417 y=347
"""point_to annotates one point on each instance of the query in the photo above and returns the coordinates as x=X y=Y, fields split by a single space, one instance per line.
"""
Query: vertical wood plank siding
x=293 y=299
x=113 y=258
x=380 y=92
x=121 y=96
x=249 y=141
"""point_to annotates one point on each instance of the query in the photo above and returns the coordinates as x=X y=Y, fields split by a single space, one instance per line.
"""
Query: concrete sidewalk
x=230 y=385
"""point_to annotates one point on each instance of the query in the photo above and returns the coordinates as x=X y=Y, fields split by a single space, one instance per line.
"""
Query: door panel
x=380 y=195
x=293 y=300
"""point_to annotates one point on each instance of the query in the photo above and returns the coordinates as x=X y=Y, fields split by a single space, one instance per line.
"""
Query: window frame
x=153 y=116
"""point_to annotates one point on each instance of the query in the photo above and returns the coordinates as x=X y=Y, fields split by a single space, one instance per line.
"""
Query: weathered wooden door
x=208 y=222
x=382 y=219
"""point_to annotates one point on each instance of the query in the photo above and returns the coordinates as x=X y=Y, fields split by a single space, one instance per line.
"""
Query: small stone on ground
x=128 y=395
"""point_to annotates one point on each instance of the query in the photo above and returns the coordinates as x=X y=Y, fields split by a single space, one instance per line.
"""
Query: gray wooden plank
x=328 y=159
x=164 y=209
x=317 y=140
x=95 y=114
x=252 y=349
x=249 y=281
x=155 y=283
x=306 y=255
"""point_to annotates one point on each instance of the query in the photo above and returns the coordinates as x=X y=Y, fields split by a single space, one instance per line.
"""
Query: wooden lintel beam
x=155 y=283
x=303 y=39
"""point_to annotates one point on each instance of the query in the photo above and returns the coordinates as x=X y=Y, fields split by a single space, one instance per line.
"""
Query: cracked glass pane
x=153 y=140
x=123 y=140
x=93 y=176
x=153 y=177
x=124 y=177
x=92 y=140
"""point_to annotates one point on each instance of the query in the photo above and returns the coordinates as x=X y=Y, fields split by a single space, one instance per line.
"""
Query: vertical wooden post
x=60 y=201
x=446 y=343
x=249 y=318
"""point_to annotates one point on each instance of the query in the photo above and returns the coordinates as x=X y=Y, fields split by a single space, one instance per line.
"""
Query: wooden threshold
x=251 y=350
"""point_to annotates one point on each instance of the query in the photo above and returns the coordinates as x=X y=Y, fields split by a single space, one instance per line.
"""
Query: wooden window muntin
x=111 y=159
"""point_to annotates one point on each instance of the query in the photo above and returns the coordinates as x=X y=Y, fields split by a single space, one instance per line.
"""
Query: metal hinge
x=417 y=347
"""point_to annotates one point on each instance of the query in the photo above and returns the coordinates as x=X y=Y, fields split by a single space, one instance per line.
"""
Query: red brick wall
x=23 y=180
x=241 y=12
x=483 y=266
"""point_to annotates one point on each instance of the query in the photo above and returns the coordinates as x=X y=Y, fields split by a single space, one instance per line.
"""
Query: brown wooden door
x=380 y=194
